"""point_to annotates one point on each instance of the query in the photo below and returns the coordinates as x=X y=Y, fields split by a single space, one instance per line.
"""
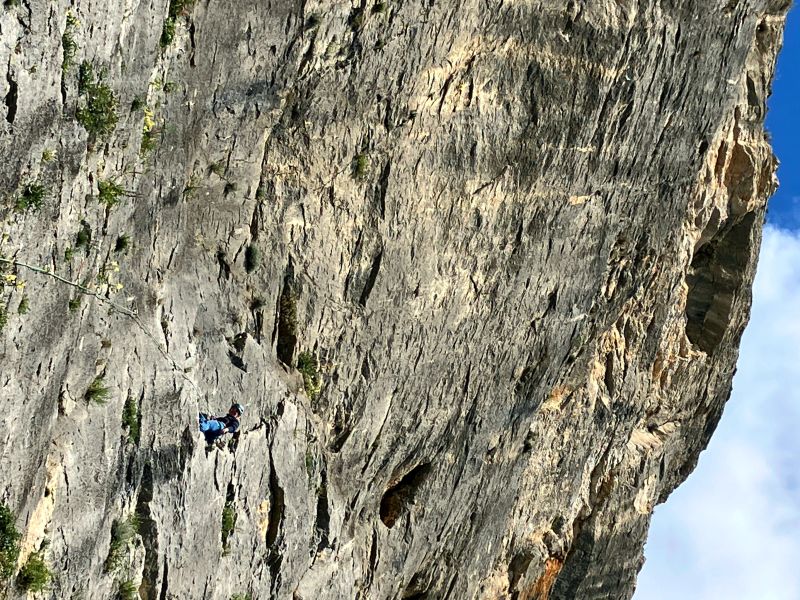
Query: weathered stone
x=519 y=236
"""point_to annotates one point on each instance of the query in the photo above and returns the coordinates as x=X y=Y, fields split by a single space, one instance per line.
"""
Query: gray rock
x=514 y=239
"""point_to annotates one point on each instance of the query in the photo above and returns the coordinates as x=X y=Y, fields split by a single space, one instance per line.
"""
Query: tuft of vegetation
x=127 y=590
x=48 y=155
x=252 y=258
x=310 y=464
x=191 y=188
x=32 y=197
x=24 y=306
x=360 y=167
x=9 y=544
x=230 y=187
x=357 y=18
x=110 y=192
x=68 y=44
x=98 y=112
x=261 y=193
x=149 y=133
x=217 y=168
x=3 y=317
x=167 y=32
x=34 y=575
x=379 y=7
x=74 y=304
x=176 y=9
x=130 y=419
x=312 y=22
x=122 y=532
x=228 y=522
x=84 y=237
x=308 y=365
x=123 y=243
x=241 y=597
x=169 y=87
x=98 y=392
x=69 y=253
x=137 y=103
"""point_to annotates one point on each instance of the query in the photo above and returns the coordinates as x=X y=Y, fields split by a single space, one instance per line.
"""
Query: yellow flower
x=149 y=122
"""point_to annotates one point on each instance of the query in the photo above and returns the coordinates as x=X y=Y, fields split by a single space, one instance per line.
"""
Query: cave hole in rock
x=398 y=497
x=714 y=279
x=418 y=588
x=371 y=278
x=11 y=99
x=516 y=570
x=286 y=333
x=148 y=530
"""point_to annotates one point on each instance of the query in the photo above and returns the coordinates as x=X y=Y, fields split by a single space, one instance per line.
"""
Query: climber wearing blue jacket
x=215 y=427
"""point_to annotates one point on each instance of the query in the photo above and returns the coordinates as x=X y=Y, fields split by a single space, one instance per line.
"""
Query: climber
x=216 y=427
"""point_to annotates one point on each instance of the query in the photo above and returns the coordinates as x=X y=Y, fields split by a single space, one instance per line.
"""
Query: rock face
x=512 y=241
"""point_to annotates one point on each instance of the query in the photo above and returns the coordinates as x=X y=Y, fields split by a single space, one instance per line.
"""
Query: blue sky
x=784 y=125
x=732 y=531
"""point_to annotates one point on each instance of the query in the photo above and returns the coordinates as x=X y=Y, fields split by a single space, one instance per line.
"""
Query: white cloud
x=732 y=531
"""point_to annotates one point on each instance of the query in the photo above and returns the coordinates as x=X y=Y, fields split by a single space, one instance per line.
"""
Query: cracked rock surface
x=509 y=243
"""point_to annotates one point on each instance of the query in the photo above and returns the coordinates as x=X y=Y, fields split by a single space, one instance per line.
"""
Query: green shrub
x=137 y=103
x=176 y=9
x=68 y=254
x=360 y=167
x=217 y=168
x=98 y=392
x=127 y=590
x=123 y=243
x=9 y=544
x=379 y=7
x=308 y=365
x=312 y=22
x=261 y=193
x=24 y=306
x=228 y=522
x=34 y=575
x=98 y=112
x=310 y=464
x=230 y=187
x=70 y=47
x=252 y=258
x=149 y=142
x=83 y=238
x=241 y=597
x=130 y=419
x=3 y=317
x=48 y=155
x=122 y=532
x=74 y=304
x=110 y=192
x=31 y=197
x=167 y=32
x=357 y=18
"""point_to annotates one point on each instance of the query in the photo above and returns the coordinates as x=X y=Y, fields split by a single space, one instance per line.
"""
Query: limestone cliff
x=509 y=244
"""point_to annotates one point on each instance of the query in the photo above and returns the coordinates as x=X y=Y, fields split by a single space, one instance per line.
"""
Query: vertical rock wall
x=513 y=240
